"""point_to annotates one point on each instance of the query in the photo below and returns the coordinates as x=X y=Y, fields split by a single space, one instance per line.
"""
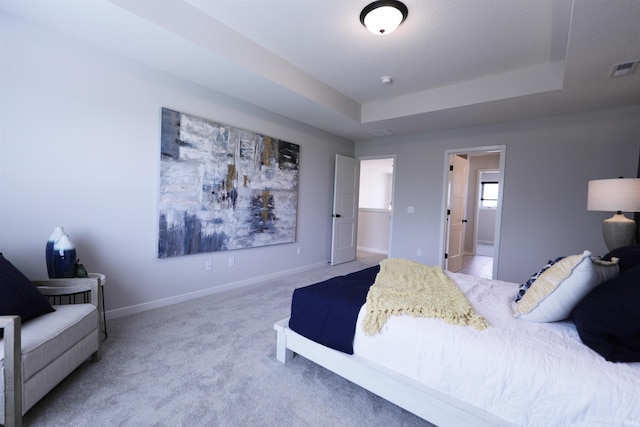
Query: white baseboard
x=373 y=250
x=139 y=308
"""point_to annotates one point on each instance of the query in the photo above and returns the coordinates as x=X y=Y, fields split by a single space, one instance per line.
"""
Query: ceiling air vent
x=381 y=132
x=624 y=69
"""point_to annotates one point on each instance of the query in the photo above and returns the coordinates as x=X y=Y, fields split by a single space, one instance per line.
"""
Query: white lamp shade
x=614 y=195
x=383 y=20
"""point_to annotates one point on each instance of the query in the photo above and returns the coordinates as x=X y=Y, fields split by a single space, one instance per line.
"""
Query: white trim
x=373 y=250
x=496 y=238
x=374 y=210
x=483 y=242
x=139 y=308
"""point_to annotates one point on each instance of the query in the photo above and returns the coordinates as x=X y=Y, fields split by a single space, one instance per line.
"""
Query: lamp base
x=618 y=231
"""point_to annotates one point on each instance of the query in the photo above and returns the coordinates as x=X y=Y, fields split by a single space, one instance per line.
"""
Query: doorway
x=345 y=209
x=375 y=207
x=473 y=232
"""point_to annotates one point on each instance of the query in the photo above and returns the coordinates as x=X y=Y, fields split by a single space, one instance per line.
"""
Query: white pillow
x=562 y=286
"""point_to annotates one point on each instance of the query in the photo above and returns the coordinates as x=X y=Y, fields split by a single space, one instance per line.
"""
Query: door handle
x=336 y=215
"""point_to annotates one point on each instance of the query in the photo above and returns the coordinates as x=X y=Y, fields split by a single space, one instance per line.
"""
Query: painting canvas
x=223 y=188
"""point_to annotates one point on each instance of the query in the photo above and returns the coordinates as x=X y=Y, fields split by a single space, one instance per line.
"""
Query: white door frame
x=502 y=149
x=393 y=192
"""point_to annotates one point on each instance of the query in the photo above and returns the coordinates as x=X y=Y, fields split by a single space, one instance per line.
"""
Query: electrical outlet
x=208 y=265
x=232 y=261
x=419 y=252
x=299 y=251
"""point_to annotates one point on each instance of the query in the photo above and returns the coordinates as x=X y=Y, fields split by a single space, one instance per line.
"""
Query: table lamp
x=616 y=195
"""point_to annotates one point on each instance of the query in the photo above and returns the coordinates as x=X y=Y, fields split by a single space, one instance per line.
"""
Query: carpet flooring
x=211 y=362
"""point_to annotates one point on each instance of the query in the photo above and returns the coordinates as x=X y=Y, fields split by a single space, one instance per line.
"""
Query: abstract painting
x=223 y=188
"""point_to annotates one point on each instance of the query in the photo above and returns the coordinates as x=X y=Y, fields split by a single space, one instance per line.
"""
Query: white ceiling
x=454 y=63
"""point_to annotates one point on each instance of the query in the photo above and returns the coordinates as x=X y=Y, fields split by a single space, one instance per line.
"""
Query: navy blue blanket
x=327 y=312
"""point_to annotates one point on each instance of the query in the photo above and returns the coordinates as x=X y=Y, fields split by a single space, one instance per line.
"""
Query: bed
x=515 y=372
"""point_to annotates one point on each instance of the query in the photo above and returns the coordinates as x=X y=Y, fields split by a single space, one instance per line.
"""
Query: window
x=489 y=194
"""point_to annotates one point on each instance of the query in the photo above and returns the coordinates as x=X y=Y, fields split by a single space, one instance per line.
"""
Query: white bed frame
x=429 y=404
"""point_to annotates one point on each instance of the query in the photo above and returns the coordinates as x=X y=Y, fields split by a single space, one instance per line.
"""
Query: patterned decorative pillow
x=526 y=285
x=555 y=293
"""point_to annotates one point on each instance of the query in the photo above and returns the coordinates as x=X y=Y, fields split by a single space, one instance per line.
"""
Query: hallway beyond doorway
x=370 y=257
x=480 y=264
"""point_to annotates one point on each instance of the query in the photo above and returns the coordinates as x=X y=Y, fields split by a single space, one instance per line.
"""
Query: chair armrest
x=12 y=370
x=69 y=286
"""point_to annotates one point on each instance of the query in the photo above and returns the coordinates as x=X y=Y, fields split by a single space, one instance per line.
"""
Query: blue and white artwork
x=223 y=188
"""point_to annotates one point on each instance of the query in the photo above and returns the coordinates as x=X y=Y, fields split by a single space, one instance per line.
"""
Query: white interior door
x=456 y=221
x=345 y=209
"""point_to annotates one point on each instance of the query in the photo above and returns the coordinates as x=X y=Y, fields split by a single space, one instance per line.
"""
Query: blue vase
x=55 y=236
x=63 y=258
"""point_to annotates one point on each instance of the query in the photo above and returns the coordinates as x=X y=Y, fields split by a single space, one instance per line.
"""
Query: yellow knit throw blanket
x=404 y=287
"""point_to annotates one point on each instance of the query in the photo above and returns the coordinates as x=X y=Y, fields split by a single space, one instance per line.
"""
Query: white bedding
x=531 y=374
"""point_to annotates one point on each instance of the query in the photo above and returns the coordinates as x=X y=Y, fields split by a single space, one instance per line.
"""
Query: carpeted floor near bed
x=211 y=362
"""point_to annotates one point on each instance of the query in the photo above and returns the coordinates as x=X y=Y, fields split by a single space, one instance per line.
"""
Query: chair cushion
x=46 y=337
x=18 y=296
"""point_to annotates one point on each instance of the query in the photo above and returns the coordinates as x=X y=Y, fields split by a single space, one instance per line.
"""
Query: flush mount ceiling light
x=384 y=16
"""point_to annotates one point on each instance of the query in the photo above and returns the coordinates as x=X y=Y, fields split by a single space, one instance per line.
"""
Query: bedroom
x=79 y=148
x=107 y=107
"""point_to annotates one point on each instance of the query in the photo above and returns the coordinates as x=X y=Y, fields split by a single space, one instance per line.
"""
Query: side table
x=76 y=291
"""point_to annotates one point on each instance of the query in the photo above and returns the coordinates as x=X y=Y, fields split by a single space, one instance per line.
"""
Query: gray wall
x=547 y=166
x=80 y=147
